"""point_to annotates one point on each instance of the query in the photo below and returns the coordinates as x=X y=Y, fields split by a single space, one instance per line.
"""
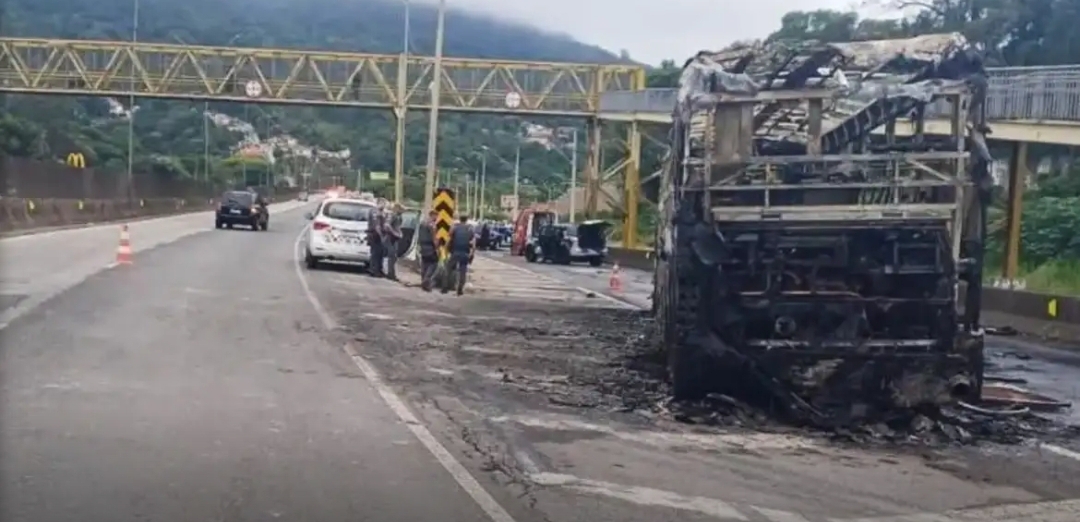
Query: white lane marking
x=641 y=496
x=1050 y=511
x=586 y=291
x=764 y=442
x=914 y=517
x=1060 y=451
x=775 y=515
x=457 y=471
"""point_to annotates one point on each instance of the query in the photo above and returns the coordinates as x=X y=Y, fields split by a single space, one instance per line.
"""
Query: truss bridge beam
x=284 y=76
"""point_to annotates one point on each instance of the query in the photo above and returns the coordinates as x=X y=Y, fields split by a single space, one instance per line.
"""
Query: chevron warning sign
x=444 y=205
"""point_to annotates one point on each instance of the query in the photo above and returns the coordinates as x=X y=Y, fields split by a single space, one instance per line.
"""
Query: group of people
x=460 y=250
x=384 y=234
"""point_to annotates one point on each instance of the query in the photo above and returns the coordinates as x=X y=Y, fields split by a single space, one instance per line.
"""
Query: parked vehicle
x=338 y=232
x=566 y=243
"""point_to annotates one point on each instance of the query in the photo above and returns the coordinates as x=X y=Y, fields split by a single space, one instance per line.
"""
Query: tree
x=169 y=137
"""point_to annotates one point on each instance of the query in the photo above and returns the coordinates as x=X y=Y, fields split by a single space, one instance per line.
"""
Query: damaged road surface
x=558 y=402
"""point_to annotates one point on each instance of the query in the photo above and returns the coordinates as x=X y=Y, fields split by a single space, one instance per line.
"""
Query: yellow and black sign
x=77 y=160
x=443 y=203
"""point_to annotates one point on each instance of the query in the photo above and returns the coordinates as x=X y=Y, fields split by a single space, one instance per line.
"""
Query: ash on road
x=555 y=398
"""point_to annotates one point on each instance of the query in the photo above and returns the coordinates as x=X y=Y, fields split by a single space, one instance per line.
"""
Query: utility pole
x=573 y=178
x=131 y=107
x=400 y=113
x=436 y=95
x=517 y=180
x=468 y=196
x=483 y=182
x=206 y=141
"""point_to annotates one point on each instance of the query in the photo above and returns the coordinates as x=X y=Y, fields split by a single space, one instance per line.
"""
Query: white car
x=338 y=232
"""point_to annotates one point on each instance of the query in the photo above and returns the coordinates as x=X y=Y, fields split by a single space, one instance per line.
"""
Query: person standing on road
x=462 y=246
x=392 y=236
x=429 y=250
x=375 y=238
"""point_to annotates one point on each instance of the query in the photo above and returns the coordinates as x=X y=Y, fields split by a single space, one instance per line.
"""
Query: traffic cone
x=615 y=281
x=123 y=251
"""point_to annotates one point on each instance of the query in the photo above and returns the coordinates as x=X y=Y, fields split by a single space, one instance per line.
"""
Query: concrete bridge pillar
x=1019 y=172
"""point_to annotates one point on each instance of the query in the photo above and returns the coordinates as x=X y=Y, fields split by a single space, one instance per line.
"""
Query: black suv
x=243 y=207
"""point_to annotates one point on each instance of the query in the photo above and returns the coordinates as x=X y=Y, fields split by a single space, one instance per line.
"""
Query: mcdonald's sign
x=77 y=160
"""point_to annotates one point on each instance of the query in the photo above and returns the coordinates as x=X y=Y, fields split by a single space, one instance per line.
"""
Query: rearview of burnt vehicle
x=807 y=254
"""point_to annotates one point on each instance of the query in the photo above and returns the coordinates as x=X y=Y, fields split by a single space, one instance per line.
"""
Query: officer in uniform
x=376 y=239
x=462 y=246
x=429 y=250
x=392 y=234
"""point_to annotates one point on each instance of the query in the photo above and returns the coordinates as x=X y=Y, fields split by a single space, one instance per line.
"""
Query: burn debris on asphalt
x=617 y=366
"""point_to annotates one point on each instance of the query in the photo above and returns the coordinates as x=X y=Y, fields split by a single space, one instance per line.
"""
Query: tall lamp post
x=436 y=95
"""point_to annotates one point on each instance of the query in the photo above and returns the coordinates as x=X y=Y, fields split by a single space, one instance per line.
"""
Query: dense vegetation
x=169 y=134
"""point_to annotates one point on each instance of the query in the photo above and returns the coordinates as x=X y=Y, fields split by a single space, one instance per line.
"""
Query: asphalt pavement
x=216 y=379
x=197 y=384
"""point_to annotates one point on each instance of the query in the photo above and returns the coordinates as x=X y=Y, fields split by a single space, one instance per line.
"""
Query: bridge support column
x=399 y=155
x=592 y=167
x=632 y=189
x=1018 y=173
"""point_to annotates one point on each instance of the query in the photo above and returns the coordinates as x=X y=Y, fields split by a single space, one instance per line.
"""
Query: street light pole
x=131 y=107
x=436 y=95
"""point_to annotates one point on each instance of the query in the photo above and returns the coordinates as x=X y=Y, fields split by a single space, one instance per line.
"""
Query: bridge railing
x=1015 y=93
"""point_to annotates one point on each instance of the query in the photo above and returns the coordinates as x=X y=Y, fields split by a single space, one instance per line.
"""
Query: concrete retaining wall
x=27 y=214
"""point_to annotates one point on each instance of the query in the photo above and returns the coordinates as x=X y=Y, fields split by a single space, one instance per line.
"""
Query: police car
x=338 y=232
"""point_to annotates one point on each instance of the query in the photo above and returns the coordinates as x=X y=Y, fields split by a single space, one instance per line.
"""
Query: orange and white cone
x=123 y=251
x=615 y=281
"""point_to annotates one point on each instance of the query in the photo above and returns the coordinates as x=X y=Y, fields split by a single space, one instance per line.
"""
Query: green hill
x=169 y=134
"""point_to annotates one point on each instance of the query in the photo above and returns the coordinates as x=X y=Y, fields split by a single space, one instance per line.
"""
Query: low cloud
x=651 y=30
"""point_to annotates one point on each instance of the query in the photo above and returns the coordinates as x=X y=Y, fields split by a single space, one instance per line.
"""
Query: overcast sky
x=652 y=30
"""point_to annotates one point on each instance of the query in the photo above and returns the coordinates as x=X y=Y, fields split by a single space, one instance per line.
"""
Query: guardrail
x=1045 y=308
x=1015 y=93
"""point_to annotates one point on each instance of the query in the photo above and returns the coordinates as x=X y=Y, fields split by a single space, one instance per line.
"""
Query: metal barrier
x=1055 y=309
x=1015 y=93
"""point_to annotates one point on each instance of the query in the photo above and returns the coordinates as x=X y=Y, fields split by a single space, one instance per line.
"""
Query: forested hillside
x=169 y=134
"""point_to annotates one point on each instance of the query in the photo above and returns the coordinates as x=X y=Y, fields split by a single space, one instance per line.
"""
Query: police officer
x=462 y=245
x=391 y=235
x=376 y=227
x=429 y=250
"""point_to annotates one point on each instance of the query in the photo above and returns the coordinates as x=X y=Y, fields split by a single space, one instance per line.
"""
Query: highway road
x=216 y=379
x=197 y=384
